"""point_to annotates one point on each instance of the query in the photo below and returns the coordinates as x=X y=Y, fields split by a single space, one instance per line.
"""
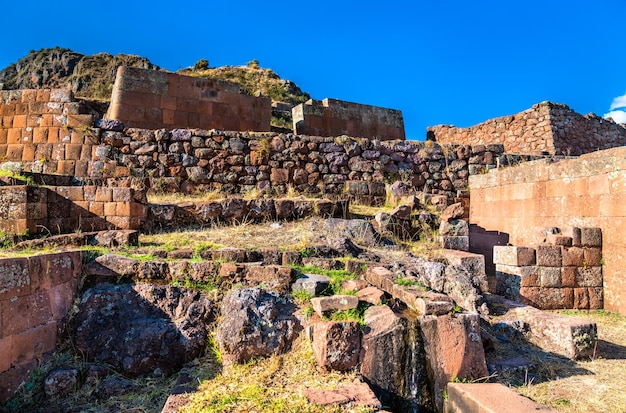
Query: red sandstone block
x=168 y=102
x=6 y=122
x=14 y=152
x=53 y=135
x=14 y=315
x=121 y=172
x=28 y=153
x=122 y=209
x=509 y=255
x=34 y=342
x=43 y=95
x=181 y=119
x=89 y=193
x=14 y=136
x=19 y=121
x=168 y=117
x=558 y=239
x=592 y=257
x=568 y=277
x=120 y=222
x=73 y=152
x=96 y=208
x=12 y=379
x=77 y=137
x=581 y=298
x=46 y=120
x=14 y=278
x=549 y=255
x=40 y=135
x=61 y=298
x=599 y=185
x=109 y=209
x=81 y=168
x=66 y=168
x=3 y=136
x=589 y=276
x=138 y=210
x=6 y=353
x=573 y=257
x=122 y=194
x=596 y=298
x=33 y=121
x=547 y=298
x=79 y=121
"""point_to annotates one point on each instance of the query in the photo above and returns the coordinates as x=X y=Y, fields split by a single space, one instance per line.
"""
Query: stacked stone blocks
x=564 y=272
x=545 y=128
x=154 y=99
x=332 y=117
x=35 y=294
x=46 y=128
x=29 y=209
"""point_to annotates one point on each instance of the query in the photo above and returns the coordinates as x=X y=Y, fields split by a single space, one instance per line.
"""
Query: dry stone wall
x=154 y=99
x=332 y=117
x=563 y=272
x=35 y=294
x=515 y=205
x=59 y=209
x=545 y=128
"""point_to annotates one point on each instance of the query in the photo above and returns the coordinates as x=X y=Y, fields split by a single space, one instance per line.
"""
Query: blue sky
x=452 y=62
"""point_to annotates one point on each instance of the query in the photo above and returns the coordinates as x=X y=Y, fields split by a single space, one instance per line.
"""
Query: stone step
x=488 y=398
x=414 y=296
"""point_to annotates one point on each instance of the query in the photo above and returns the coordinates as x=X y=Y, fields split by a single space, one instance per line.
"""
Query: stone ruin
x=545 y=232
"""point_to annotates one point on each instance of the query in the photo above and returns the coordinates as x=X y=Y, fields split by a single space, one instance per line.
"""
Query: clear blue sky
x=453 y=62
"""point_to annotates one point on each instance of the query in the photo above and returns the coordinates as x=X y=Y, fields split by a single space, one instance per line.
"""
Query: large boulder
x=256 y=323
x=142 y=329
x=392 y=360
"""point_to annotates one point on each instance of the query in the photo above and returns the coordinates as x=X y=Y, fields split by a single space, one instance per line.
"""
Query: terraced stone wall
x=35 y=294
x=515 y=205
x=332 y=117
x=145 y=98
x=544 y=128
x=60 y=209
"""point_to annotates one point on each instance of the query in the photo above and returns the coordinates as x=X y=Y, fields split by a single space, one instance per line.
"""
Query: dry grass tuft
x=275 y=384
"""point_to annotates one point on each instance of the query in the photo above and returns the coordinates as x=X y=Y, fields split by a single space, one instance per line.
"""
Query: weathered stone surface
x=460 y=243
x=571 y=337
x=275 y=277
x=323 y=305
x=591 y=237
x=358 y=230
x=61 y=382
x=392 y=361
x=111 y=265
x=454 y=228
x=358 y=394
x=509 y=255
x=145 y=327
x=337 y=344
x=371 y=295
x=453 y=348
x=382 y=357
x=473 y=263
x=488 y=398
x=312 y=284
x=464 y=288
x=454 y=211
x=256 y=323
x=549 y=255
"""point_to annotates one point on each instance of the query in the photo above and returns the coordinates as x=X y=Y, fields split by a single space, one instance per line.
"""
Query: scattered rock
x=60 y=382
x=114 y=385
x=371 y=295
x=323 y=305
x=256 y=323
x=312 y=284
x=358 y=394
x=454 y=211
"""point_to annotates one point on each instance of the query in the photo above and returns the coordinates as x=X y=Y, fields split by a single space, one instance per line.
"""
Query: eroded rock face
x=142 y=329
x=337 y=344
x=256 y=323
